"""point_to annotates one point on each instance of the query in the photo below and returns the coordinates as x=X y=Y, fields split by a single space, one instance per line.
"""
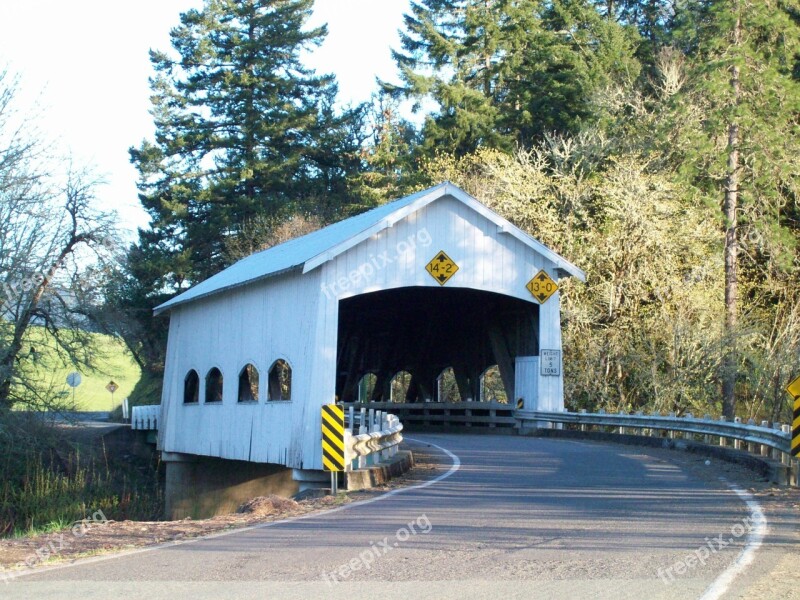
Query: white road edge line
x=755 y=538
x=85 y=561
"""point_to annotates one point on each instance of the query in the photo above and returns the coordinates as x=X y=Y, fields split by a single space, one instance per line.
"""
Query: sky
x=84 y=71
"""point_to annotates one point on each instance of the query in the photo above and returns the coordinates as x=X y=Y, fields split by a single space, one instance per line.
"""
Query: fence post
x=722 y=440
x=786 y=458
x=764 y=449
x=737 y=443
x=707 y=437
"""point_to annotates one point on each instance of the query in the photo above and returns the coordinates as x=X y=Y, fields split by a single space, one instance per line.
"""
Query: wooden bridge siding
x=288 y=322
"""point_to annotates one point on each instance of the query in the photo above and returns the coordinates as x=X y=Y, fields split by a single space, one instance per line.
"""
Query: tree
x=54 y=243
x=242 y=129
x=743 y=74
x=635 y=334
x=505 y=73
x=450 y=54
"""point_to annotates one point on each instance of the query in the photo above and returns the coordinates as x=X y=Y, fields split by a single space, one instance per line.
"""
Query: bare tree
x=53 y=243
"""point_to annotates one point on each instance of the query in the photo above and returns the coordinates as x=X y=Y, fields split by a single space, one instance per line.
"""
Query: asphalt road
x=502 y=517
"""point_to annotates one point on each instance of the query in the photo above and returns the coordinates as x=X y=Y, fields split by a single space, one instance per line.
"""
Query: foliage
x=504 y=73
x=56 y=246
x=643 y=331
x=50 y=482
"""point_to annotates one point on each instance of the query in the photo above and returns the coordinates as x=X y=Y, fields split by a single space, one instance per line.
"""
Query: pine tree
x=506 y=72
x=744 y=58
x=450 y=51
x=242 y=128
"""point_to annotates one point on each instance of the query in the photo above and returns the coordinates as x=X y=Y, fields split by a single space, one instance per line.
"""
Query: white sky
x=85 y=64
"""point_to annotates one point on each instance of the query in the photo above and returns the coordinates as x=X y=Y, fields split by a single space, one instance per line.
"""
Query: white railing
x=145 y=417
x=370 y=436
x=763 y=440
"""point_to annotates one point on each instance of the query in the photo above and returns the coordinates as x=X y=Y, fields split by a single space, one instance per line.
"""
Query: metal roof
x=316 y=248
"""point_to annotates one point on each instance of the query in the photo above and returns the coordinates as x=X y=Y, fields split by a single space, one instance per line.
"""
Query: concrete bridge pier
x=200 y=487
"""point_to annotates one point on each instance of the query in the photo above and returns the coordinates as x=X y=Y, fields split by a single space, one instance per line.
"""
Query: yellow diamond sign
x=794 y=388
x=442 y=267
x=542 y=287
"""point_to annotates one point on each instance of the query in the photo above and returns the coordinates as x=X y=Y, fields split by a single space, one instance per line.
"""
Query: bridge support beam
x=201 y=487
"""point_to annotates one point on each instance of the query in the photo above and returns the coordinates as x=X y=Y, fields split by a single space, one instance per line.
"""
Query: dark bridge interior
x=424 y=330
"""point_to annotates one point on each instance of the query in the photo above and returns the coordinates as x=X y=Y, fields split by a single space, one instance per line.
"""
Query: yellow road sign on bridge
x=542 y=286
x=332 y=437
x=441 y=267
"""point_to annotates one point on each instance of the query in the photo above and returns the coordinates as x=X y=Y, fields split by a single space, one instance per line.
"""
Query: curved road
x=517 y=518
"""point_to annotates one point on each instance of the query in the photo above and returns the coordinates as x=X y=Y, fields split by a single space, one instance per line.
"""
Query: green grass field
x=113 y=362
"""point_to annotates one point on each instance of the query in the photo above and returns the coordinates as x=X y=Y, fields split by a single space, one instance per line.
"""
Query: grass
x=113 y=362
x=49 y=478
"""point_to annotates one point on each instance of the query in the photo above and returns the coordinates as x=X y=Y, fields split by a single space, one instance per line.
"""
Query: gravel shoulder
x=96 y=535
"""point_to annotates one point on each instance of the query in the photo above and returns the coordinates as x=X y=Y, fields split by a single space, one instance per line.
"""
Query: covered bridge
x=432 y=281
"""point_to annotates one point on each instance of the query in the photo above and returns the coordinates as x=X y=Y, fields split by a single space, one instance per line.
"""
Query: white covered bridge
x=432 y=281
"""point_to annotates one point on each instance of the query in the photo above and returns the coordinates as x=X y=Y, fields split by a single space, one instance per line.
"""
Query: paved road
x=518 y=518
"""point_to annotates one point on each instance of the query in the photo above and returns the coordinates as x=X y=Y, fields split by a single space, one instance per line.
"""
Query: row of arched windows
x=279 y=384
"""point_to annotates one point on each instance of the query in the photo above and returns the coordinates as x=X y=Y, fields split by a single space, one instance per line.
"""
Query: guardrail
x=449 y=415
x=769 y=442
x=145 y=418
x=371 y=436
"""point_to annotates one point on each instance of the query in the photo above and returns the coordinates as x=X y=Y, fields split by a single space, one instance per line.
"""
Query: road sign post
x=333 y=459
x=73 y=381
x=112 y=387
x=794 y=391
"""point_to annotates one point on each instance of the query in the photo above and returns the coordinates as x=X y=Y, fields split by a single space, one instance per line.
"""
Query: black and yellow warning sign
x=332 y=437
x=542 y=287
x=520 y=403
x=794 y=391
x=442 y=267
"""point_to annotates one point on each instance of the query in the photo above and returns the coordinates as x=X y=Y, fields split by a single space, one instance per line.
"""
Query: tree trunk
x=730 y=207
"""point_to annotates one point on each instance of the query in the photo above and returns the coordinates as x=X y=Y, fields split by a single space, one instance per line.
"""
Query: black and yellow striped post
x=794 y=391
x=333 y=440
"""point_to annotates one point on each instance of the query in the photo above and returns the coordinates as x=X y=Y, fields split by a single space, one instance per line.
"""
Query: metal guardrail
x=145 y=418
x=772 y=442
x=370 y=436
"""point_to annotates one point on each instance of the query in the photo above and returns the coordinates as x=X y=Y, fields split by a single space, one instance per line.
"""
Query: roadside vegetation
x=52 y=476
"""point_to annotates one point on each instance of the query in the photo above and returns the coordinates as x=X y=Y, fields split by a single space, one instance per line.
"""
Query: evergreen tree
x=242 y=129
x=742 y=152
x=450 y=52
x=506 y=72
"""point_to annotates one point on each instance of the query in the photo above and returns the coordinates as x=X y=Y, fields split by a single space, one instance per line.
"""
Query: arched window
x=492 y=389
x=280 y=381
x=399 y=387
x=366 y=387
x=191 y=388
x=248 y=384
x=446 y=388
x=214 y=385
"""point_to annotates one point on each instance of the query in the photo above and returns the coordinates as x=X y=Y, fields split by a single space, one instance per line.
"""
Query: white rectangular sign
x=551 y=362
